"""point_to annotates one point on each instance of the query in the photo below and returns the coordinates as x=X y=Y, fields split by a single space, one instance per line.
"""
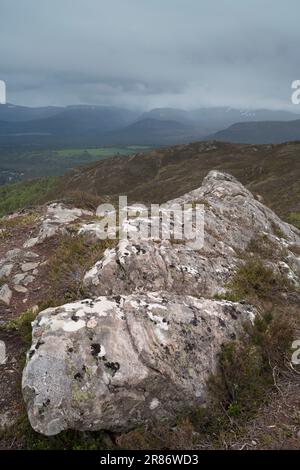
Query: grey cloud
x=142 y=53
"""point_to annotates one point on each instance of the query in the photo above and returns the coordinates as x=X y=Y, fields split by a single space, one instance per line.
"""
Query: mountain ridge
x=108 y=125
x=265 y=132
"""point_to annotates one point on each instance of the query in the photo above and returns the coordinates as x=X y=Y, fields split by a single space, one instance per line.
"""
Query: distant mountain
x=13 y=113
x=71 y=125
x=217 y=118
x=72 y=120
x=260 y=132
x=156 y=132
x=82 y=125
x=168 y=114
x=88 y=126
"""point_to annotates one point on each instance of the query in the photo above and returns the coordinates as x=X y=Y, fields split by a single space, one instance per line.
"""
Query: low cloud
x=141 y=54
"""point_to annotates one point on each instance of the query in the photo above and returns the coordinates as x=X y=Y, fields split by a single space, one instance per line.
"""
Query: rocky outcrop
x=232 y=218
x=115 y=362
x=19 y=270
x=25 y=237
x=146 y=341
x=56 y=219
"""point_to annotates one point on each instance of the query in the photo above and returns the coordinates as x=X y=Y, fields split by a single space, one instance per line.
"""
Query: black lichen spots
x=74 y=317
x=44 y=406
x=189 y=347
x=140 y=250
x=78 y=376
x=117 y=298
x=70 y=350
x=31 y=353
x=88 y=302
x=221 y=322
x=113 y=367
x=95 y=349
x=39 y=343
x=37 y=346
x=230 y=309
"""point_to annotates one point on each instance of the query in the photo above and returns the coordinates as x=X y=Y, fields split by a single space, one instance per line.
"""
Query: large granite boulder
x=116 y=362
x=232 y=218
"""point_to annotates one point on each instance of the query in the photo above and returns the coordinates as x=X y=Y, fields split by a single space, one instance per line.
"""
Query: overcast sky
x=150 y=53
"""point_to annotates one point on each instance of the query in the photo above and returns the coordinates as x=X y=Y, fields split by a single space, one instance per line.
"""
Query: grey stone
x=6 y=270
x=5 y=294
x=20 y=289
x=55 y=221
x=117 y=362
x=232 y=218
x=29 y=266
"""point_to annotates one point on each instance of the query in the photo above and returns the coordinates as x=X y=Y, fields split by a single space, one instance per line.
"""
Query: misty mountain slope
x=105 y=125
x=163 y=174
x=14 y=113
x=155 y=132
x=219 y=117
x=73 y=120
x=260 y=132
x=168 y=114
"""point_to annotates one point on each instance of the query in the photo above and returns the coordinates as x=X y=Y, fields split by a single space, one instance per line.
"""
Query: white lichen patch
x=154 y=404
x=102 y=351
x=160 y=321
x=92 y=323
x=189 y=270
x=71 y=326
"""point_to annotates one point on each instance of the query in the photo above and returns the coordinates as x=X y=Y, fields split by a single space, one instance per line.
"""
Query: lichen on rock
x=145 y=342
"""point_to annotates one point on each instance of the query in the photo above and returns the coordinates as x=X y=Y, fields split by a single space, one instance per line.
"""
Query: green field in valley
x=102 y=152
x=22 y=164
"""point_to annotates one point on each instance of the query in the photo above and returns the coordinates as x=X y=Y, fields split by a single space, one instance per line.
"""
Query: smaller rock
x=18 y=278
x=3 y=356
x=29 y=266
x=13 y=253
x=6 y=270
x=28 y=279
x=5 y=294
x=20 y=289
x=23 y=278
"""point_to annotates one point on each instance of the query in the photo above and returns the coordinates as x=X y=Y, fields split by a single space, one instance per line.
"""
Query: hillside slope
x=148 y=346
x=273 y=171
x=263 y=132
